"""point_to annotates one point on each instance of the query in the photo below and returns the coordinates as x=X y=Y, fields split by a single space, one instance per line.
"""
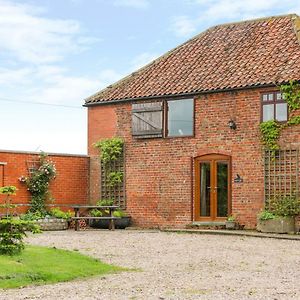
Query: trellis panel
x=281 y=173
x=117 y=192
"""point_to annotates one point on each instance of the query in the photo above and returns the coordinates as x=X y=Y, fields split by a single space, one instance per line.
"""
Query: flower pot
x=230 y=225
x=277 y=225
x=121 y=223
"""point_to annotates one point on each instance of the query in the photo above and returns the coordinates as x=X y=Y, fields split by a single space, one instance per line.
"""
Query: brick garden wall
x=159 y=172
x=69 y=187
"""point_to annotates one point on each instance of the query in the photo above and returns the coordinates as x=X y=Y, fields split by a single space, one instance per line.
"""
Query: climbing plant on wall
x=38 y=184
x=112 y=169
x=271 y=130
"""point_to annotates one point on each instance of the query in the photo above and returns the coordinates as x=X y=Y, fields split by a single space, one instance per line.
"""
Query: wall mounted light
x=232 y=124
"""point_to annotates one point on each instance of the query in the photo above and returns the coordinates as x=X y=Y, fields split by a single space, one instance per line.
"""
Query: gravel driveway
x=175 y=266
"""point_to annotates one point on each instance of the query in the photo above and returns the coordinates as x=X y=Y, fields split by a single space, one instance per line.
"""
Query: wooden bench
x=110 y=217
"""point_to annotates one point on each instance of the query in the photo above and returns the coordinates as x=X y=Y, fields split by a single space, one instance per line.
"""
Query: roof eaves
x=193 y=93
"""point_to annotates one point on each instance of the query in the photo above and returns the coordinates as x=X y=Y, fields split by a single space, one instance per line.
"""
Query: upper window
x=274 y=107
x=167 y=118
x=180 y=117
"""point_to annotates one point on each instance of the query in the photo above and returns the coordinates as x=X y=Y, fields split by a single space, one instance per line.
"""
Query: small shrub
x=96 y=213
x=33 y=216
x=266 y=215
x=119 y=213
x=12 y=232
x=231 y=219
x=58 y=213
x=285 y=206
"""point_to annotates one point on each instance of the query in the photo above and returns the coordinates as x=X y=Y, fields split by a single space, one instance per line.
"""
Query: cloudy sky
x=55 y=53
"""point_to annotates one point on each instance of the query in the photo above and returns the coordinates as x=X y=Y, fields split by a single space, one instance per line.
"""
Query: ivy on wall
x=271 y=130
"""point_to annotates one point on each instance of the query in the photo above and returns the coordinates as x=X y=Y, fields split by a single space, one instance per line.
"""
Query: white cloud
x=31 y=38
x=183 y=26
x=220 y=11
x=132 y=3
x=14 y=77
x=142 y=59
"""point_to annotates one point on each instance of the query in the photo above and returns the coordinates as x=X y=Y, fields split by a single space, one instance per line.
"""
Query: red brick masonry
x=159 y=172
x=69 y=187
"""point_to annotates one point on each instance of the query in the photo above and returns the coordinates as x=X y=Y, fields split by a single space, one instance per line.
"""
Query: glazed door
x=212 y=188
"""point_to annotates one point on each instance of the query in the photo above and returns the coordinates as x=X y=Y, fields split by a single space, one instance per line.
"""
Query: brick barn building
x=190 y=124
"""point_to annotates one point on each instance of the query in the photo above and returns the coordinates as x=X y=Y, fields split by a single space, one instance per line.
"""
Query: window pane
x=222 y=189
x=180 y=117
x=271 y=97
x=268 y=112
x=265 y=97
x=205 y=189
x=278 y=96
x=281 y=112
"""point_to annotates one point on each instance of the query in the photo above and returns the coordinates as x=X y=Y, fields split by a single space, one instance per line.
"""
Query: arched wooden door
x=212 y=187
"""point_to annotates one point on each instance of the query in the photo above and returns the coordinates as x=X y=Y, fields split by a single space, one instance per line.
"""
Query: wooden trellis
x=281 y=173
x=117 y=192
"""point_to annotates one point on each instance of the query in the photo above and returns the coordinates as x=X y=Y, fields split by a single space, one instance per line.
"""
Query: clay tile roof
x=237 y=55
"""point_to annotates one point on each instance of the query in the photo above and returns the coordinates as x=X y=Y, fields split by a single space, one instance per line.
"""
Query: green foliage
x=295 y=120
x=114 y=178
x=8 y=190
x=38 y=184
x=41 y=265
x=102 y=212
x=291 y=94
x=96 y=213
x=58 y=213
x=105 y=202
x=266 y=215
x=12 y=232
x=231 y=219
x=270 y=131
x=33 y=216
x=120 y=213
x=110 y=149
x=287 y=206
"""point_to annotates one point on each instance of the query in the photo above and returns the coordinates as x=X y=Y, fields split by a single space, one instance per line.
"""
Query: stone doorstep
x=249 y=233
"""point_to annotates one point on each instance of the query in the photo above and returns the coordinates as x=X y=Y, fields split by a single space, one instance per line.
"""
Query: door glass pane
x=281 y=111
x=180 y=117
x=222 y=189
x=268 y=112
x=205 y=189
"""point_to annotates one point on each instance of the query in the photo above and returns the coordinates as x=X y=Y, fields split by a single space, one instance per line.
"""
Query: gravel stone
x=174 y=266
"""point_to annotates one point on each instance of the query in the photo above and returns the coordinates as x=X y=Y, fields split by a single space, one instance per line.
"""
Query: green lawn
x=41 y=265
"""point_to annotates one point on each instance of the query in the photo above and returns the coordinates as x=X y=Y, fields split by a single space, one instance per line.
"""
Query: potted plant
x=231 y=223
x=279 y=217
x=122 y=221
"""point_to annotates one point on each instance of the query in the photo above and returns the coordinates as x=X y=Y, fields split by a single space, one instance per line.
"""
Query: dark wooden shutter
x=147 y=119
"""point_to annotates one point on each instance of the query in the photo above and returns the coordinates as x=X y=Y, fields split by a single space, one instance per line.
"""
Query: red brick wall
x=159 y=172
x=69 y=187
x=101 y=124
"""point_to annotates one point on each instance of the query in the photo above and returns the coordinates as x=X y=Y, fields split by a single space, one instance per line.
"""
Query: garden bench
x=110 y=217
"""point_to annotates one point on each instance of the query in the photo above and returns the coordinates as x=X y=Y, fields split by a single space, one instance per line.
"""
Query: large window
x=180 y=117
x=166 y=118
x=274 y=107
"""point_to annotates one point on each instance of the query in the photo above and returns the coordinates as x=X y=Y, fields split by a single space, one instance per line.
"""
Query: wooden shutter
x=147 y=119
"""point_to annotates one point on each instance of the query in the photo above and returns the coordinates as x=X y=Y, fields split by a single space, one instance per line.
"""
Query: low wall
x=71 y=185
